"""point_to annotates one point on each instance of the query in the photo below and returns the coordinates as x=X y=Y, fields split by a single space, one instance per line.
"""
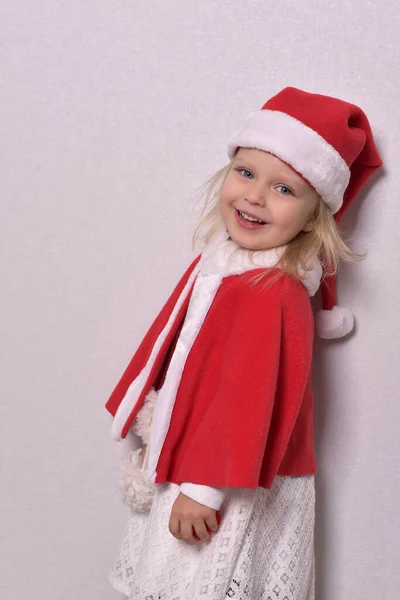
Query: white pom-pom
x=335 y=323
x=142 y=423
x=136 y=489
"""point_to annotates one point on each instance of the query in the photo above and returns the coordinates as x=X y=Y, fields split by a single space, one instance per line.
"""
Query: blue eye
x=286 y=188
x=245 y=171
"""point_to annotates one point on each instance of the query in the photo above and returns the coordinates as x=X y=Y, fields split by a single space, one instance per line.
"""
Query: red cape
x=244 y=407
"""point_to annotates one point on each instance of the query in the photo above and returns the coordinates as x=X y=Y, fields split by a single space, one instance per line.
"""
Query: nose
x=256 y=194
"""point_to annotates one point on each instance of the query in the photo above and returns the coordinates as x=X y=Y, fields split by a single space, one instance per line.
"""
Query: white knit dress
x=263 y=549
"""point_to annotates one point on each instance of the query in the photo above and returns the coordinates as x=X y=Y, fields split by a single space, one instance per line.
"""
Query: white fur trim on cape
x=204 y=290
x=335 y=323
x=299 y=146
x=231 y=259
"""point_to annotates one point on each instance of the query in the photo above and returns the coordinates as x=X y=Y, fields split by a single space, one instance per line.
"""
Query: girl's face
x=261 y=186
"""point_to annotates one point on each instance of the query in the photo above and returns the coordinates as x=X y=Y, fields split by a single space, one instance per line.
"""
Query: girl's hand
x=186 y=515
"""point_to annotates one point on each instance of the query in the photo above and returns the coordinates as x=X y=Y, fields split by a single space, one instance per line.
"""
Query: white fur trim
x=231 y=259
x=204 y=290
x=312 y=277
x=298 y=145
x=209 y=496
x=335 y=323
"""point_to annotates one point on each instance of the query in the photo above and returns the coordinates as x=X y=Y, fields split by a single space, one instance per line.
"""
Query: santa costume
x=226 y=369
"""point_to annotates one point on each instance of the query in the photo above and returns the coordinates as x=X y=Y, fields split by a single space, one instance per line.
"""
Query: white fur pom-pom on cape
x=144 y=418
x=136 y=489
x=334 y=323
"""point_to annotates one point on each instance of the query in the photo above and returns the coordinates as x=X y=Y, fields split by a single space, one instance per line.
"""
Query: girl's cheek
x=232 y=189
x=288 y=217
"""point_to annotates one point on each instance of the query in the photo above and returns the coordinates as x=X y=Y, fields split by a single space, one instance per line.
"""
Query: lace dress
x=263 y=549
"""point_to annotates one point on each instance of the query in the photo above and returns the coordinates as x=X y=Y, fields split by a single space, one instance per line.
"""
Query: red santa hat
x=329 y=143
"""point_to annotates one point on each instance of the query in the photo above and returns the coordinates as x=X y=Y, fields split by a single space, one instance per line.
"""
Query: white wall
x=112 y=113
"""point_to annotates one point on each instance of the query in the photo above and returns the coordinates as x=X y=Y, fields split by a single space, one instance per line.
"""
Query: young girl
x=219 y=391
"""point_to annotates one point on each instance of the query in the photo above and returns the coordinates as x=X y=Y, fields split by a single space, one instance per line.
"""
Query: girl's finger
x=201 y=530
x=174 y=527
x=186 y=532
x=212 y=523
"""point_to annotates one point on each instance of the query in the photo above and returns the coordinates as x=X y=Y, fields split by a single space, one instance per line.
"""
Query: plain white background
x=112 y=114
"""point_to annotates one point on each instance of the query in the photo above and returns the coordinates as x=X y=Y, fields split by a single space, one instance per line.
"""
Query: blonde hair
x=325 y=240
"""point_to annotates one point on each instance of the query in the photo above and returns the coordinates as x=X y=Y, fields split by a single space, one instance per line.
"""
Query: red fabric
x=342 y=124
x=243 y=411
x=244 y=407
x=328 y=292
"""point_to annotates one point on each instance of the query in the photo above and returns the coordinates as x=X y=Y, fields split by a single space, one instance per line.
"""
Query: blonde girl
x=218 y=395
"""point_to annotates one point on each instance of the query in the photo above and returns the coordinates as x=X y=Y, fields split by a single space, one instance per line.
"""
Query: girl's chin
x=243 y=241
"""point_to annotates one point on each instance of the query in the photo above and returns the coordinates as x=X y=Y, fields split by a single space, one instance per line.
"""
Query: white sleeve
x=209 y=496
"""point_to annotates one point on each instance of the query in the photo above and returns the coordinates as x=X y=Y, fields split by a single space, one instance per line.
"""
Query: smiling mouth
x=249 y=220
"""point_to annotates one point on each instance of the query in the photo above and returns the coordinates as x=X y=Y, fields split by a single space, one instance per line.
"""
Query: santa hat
x=329 y=143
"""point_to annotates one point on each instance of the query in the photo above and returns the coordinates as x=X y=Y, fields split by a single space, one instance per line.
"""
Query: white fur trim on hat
x=334 y=323
x=299 y=146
